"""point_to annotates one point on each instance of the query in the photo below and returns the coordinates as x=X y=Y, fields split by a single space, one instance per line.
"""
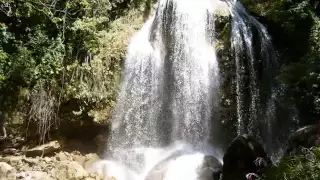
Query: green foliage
x=296 y=31
x=92 y=85
x=63 y=52
x=304 y=166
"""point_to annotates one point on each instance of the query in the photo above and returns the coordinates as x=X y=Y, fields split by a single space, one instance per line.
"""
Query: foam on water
x=179 y=160
x=184 y=167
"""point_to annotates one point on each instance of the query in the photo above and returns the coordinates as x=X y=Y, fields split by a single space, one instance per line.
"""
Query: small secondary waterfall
x=167 y=112
x=243 y=27
x=260 y=97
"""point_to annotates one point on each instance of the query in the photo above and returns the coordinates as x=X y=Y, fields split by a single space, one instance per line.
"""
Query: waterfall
x=169 y=91
x=170 y=78
x=247 y=56
x=166 y=112
x=260 y=96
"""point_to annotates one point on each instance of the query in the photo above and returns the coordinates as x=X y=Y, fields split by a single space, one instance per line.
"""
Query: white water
x=165 y=115
x=167 y=96
x=259 y=96
x=242 y=42
x=176 y=161
x=170 y=78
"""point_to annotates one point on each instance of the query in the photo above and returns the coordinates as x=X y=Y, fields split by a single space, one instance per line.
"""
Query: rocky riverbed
x=48 y=162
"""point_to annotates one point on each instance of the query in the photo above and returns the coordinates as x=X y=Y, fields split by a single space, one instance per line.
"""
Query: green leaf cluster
x=72 y=50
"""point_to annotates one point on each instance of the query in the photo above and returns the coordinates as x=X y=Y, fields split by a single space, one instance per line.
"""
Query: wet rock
x=44 y=150
x=10 y=151
x=244 y=156
x=211 y=169
x=99 y=169
x=158 y=173
x=212 y=162
x=100 y=141
x=306 y=137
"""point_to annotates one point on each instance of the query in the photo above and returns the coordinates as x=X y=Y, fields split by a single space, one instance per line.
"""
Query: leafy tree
x=51 y=50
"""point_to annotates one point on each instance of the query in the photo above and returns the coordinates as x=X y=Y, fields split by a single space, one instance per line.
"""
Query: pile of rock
x=47 y=162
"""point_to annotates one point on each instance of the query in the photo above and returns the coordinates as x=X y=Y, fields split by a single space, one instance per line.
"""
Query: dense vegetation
x=304 y=166
x=295 y=29
x=61 y=60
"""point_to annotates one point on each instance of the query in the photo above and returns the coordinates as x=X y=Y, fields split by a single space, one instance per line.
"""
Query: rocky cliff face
x=227 y=99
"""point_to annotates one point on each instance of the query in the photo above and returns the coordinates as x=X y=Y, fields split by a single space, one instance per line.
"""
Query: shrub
x=298 y=167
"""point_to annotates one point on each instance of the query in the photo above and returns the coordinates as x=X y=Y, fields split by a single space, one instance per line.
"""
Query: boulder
x=30 y=161
x=63 y=166
x=44 y=150
x=34 y=175
x=210 y=169
x=159 y=171
x=61 y=156
x=101 y=142
x=222 y=8
x=90 y=160
x=6 y=171
x=14 y=161
x=69 y=170
x=10 y=151
x=244 y=156
x=306 y=137
x=80 y=159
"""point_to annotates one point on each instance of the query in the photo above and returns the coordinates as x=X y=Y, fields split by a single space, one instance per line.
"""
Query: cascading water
x=165 y=116
x=246 y=56
x=259 y=93
x=168 y=94
x=170 y=74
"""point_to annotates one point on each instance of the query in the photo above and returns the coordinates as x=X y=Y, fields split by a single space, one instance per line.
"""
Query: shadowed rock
x=306 y=137
x=46 y=149
x=244 y=157
x=3 y=132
